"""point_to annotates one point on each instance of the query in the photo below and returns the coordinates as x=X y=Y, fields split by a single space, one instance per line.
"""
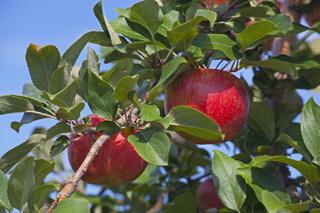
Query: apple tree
x=173 y=85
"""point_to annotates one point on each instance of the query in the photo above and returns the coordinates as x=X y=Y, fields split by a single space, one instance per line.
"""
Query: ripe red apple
x=116 y=163
x=207 y=196
x=218 y=94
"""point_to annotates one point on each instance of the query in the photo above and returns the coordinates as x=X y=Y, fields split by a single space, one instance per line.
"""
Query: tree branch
x=69 y=188
x=158 y=205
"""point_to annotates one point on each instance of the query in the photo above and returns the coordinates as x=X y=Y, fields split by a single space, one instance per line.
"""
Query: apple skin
x=207 y=196
x=116 y=163
x=218 y=94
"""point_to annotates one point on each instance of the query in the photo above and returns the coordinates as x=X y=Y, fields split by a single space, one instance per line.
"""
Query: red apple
x=207 y=196
x=218 y=94
x=116 y=163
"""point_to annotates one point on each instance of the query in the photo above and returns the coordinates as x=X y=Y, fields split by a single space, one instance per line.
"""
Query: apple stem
x=72 y=184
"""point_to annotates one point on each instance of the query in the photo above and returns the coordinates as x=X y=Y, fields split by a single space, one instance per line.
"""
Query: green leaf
x=79 y=205
x=57 y=129
x=99 y=95
x=255 y=32
x=152 y=144
x=4 y=200
x=219 y=42
x=276 y=64
x=129 y=29
x=41 y=169
x=124 y=87
x=182 y=35
x=147 y=13
x=40 y=195
x=122 y=68
x=231 y=189
x=60 y=78
x=282 y=22
x=70 y=113
x=60 y=144
x=14 y=104
x=267 y=188
x=42 y=62
x=297 y=145
x=192 y=122
x=93 y=63
x=185 y=203
x=309 y=171
x=65 y=97
x=108 y=126
x=13 y=156
x=262 y=119
x=73 y=52
x=98 y=12
x=168 y=70
x=30 y=90
x=150 y=112
x=169 y=20
x=21 y=183
x=26 y=118
x=207 y=14
x=310 y=125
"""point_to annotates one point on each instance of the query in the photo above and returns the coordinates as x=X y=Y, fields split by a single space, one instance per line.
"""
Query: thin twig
x=158 y=205
x=69 y=188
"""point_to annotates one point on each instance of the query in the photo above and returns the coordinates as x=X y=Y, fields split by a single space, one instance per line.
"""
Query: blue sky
x=58 y=22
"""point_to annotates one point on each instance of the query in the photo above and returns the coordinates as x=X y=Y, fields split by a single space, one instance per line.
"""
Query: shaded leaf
x=267 y=188
x=60 y=144
x=21 y=183
x=40 y=195
x=4 y=200
x=185 y=202
x=57 y=129
x=168 y=70
x=70 y=113
x=13 y=156
x=41 y=169
x=219 y=42
x=309 y=171
x=13 y=104
x=60 y=78
x=99 y=95
x=124 y=87
x=262 y=119
x=73 y=52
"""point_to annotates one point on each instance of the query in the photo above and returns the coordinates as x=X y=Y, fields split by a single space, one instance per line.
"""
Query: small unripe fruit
x=207 y=196
x=116 y=163
x=218 y=94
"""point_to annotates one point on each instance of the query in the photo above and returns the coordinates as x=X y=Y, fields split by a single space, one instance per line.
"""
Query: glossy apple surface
x=116 y=163
x=207 y=196
x=219 y=94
